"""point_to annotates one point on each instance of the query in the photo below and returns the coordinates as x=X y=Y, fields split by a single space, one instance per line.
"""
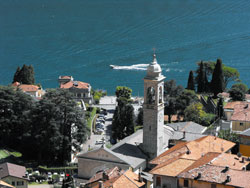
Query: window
x=160 y=95
x=185 y=183
x=241 y=124
x=79 y=95
x=213 y=185
x=13 y=183
x=19 y=183
x=158 y=181
x=151 y=95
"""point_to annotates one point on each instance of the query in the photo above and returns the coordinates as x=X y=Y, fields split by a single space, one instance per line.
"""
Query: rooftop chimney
x=243 y=159
x=105 y=176
x=228 y=178
x=184 y=134
x=198 y=176
x=101 y=184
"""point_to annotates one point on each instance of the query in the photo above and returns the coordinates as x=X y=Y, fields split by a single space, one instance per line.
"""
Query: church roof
x=129 y=151
x=126 y=151
x=188 y=126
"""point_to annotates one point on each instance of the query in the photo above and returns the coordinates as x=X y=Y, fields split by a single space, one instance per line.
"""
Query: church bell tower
x=153 y=110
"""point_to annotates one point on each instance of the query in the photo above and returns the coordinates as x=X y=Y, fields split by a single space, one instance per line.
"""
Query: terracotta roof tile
x=65 y=77
x=111 y=173
x=75 y=84
x=217 y=174
x=173 y=168
x=230 y=160
x=196 y=148
x=175 y=151
x=235 y=104
x=241 y=112
x=15 y=84
x=28 y=88
x=128 y=179
x=173 y=118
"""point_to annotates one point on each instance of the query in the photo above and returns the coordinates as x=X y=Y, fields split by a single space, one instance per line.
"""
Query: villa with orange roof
x=80 y=90
x=32 y=90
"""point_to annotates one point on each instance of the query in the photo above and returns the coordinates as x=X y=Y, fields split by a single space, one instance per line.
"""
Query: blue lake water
x=83 y=37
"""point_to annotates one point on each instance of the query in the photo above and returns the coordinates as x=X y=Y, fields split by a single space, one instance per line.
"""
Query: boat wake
x=132 y=67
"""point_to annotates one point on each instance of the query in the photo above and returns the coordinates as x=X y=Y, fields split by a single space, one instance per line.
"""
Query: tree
x=24 y=75
x=228 y=135
x=236 y=94
x=201 y=79
x=220 y=109
x=139 y=120
x=185 y=99
x=230 y=73
x=194 y=112
x=240 y=86
x=171 y=89
x=190 y=84
x=217 y=83
x=171 y=92
x=60 y=127
x=16 y=75
x=123 y=119
x=15 y=118
x=122 y=91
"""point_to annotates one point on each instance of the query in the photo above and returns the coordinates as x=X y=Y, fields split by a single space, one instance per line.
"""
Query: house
x=80 y=90
x=5 y=185
x=229 y=108
x=210 y=176
x=168 y=165
x=240 y=120
x=116 y=179
x=245 y=142
x=32 y=90
x=14 y=175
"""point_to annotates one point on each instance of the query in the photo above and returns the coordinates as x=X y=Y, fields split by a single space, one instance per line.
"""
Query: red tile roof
x=128 y=179
x=28 y=88
x=15 y=84
x=218 y=174
x=75 y=84
x=111 y=173
x=196 y=148
x=65 y=77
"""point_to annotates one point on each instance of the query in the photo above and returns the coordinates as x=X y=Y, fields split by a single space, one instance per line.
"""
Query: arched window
x=160 y=94
x=151 y=95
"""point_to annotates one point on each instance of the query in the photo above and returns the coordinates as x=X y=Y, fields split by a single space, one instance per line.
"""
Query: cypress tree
x=218 y=83
x=201 y=79
x=16 y=75
x=190 y=84
x=25 y=75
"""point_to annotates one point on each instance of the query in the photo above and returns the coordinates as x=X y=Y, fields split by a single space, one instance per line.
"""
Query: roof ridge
x=130 y=179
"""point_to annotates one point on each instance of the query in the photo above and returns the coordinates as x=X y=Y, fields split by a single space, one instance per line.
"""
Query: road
x=108 y=103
